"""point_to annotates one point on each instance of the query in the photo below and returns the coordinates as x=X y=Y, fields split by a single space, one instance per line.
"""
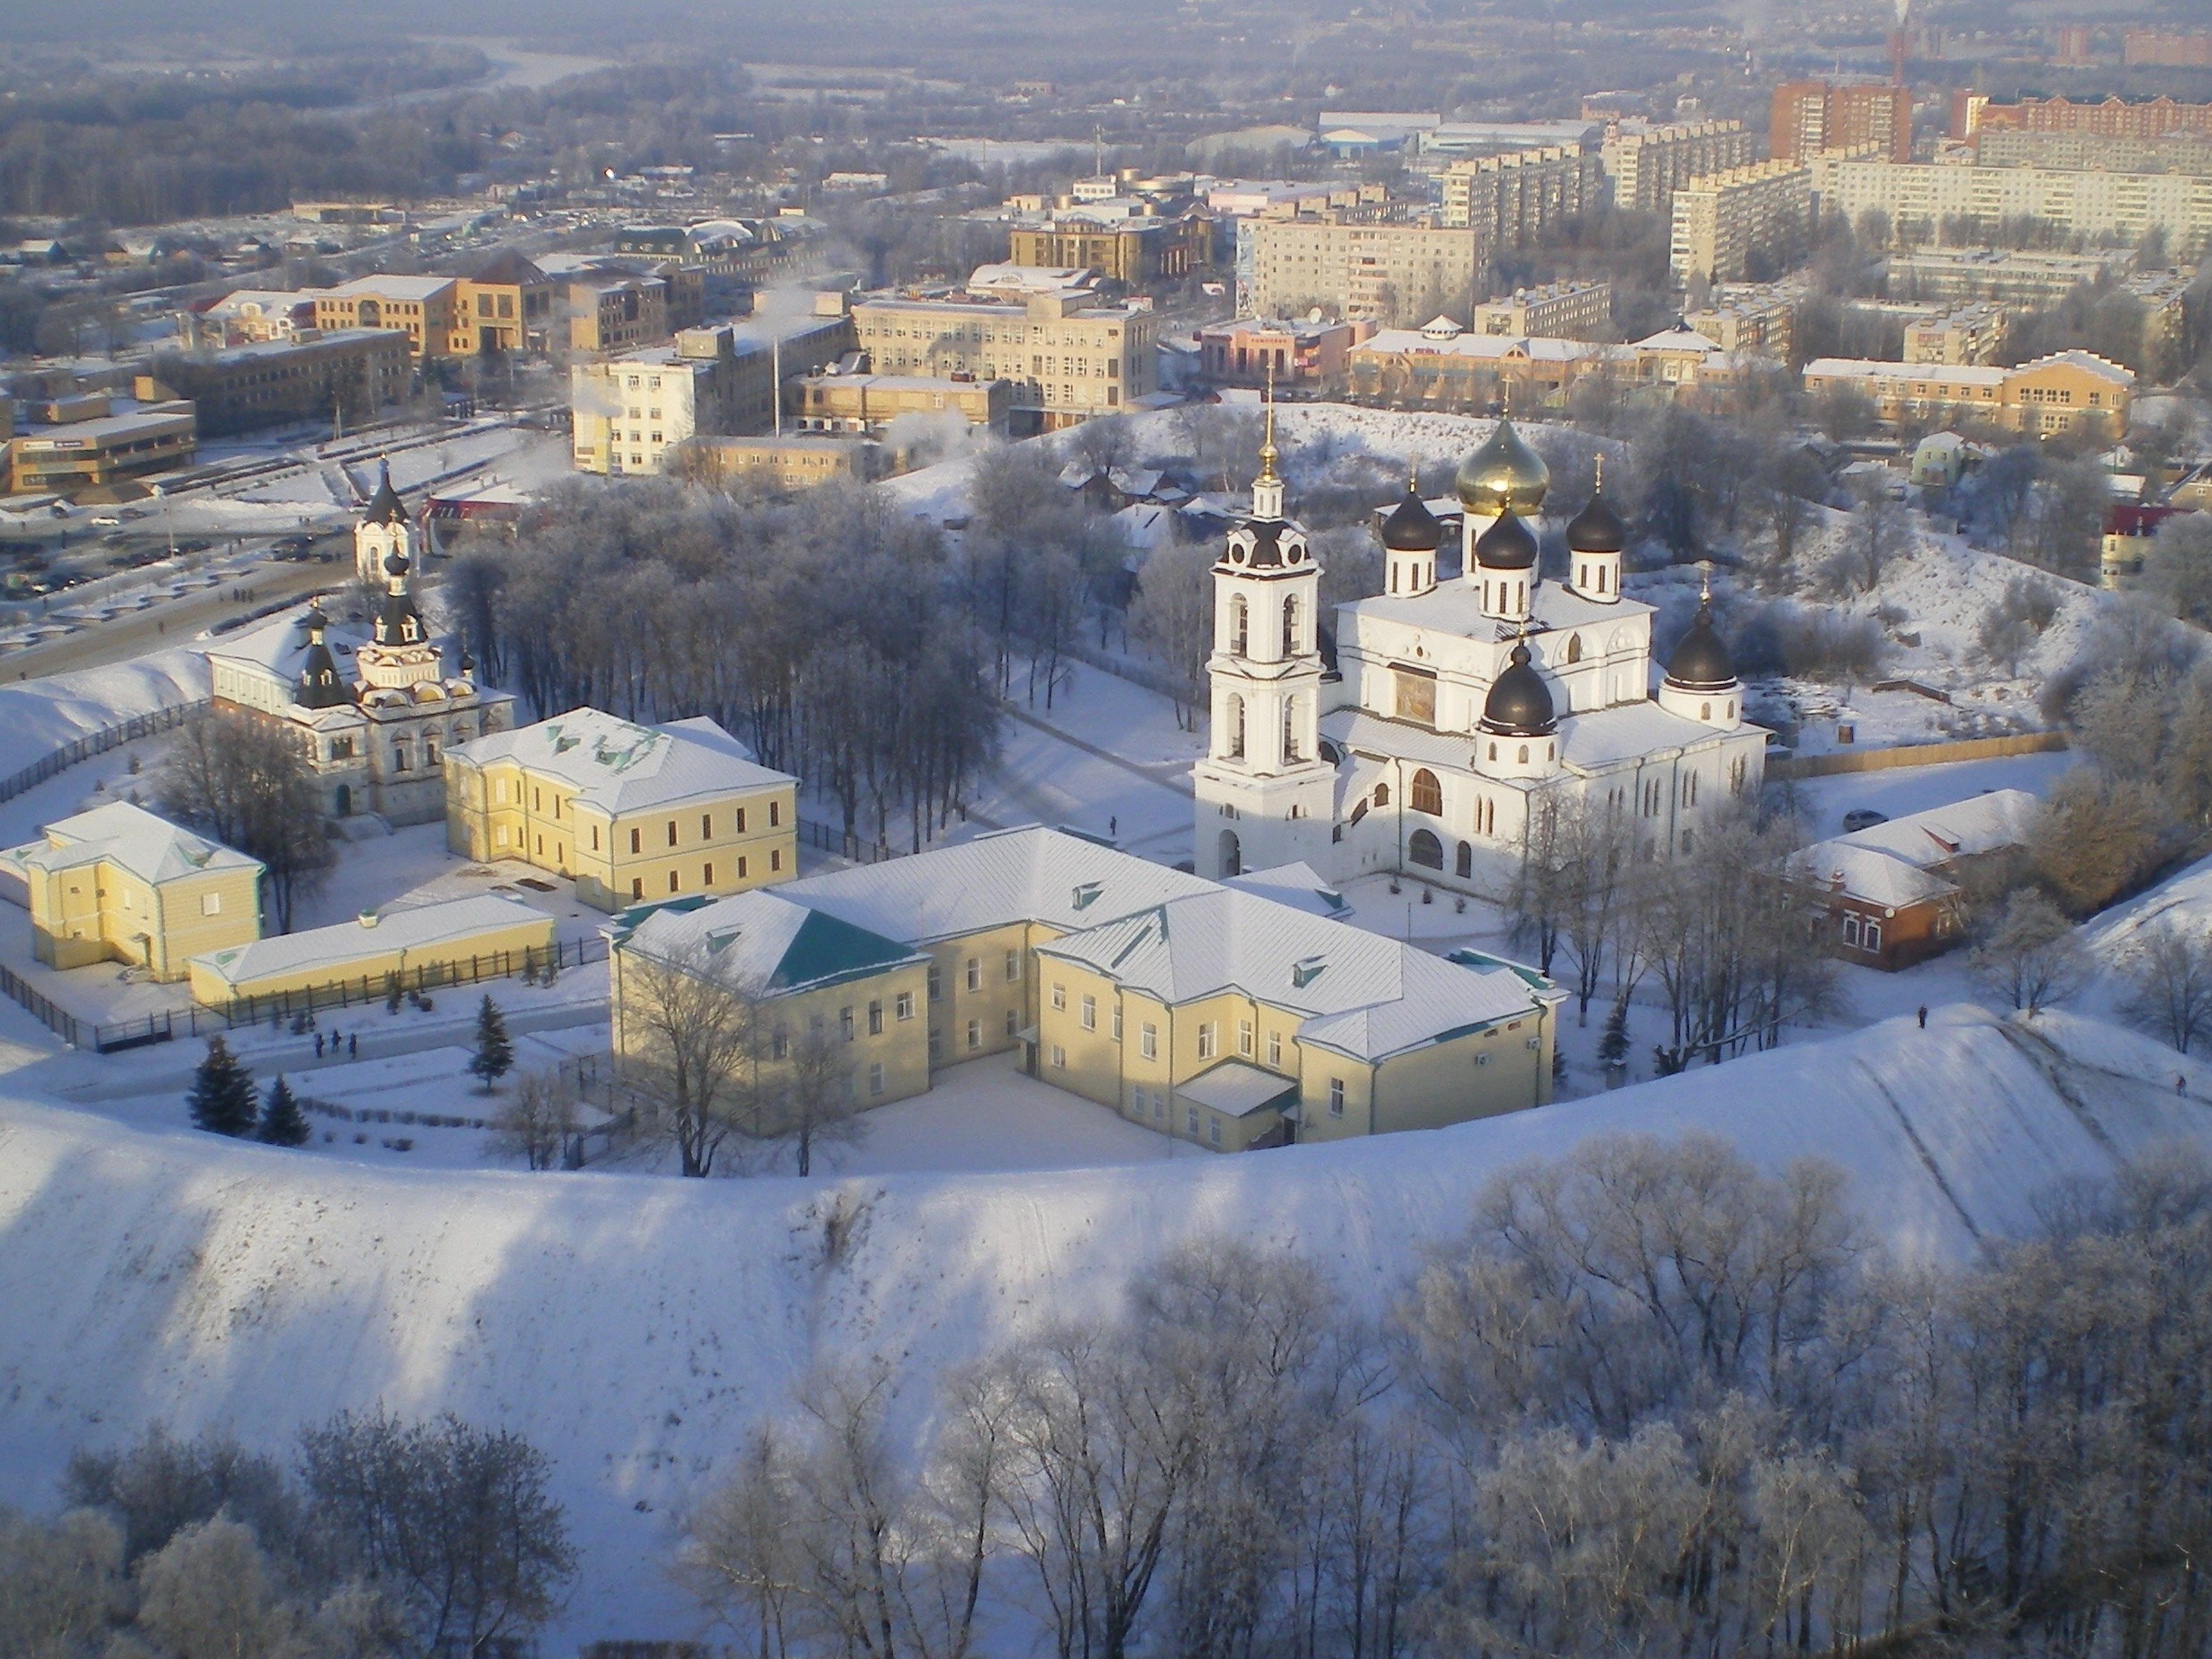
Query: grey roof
x=333 y=948
x=148 y=846
x=1411 y=528
x=1237 y=1088
x=1588 y=742
x=618 y=766
x=1508 y=545
x=1869 y=874
x=1518 y=703
x=1700 y=661
x=1962 y=829
x=1362 y=994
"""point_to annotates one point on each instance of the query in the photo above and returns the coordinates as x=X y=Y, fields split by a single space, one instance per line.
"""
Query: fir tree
x=283 y=1123
x=223 y=1092
x=1613 y=1046
x=494 y=1053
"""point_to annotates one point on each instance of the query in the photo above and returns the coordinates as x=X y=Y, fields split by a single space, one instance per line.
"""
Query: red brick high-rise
x=1808 y=116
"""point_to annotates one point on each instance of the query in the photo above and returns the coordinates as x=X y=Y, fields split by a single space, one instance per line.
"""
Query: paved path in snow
x=1179 y=781
x=297 y=1055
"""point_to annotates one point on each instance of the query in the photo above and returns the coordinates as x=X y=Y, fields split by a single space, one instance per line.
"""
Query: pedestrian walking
x=2180 y=1085
x=353 y=1045
x=317 y=1045
x=1923 y=1016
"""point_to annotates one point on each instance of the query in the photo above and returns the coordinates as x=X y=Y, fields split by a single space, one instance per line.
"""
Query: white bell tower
x=1264 y=795
x=384 y=530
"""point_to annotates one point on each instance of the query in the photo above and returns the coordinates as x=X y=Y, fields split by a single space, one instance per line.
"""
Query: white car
x=106 y=521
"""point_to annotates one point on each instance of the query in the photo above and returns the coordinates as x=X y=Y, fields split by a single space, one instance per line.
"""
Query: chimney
x=1897 y=55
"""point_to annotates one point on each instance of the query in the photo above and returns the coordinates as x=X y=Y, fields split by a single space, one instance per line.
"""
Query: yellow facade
x=364 y=958
x=118 y=884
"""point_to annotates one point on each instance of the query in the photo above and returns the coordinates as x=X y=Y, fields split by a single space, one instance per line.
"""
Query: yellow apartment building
x=1215 y=1014
x=421 y=946
x=629 y=812
x=805 y=971
x=120 y=884
x=790 y=464
x=867 y=403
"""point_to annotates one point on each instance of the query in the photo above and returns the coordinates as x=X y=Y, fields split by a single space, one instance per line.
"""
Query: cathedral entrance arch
x=1231 y=857
x=343 y=801
x=1425 y=850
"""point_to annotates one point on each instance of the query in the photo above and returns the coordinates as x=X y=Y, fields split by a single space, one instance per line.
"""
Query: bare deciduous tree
x=2169 y=979
x=690 y=1043
x=242 y=779
x=2031 y=956
x=534 y=1124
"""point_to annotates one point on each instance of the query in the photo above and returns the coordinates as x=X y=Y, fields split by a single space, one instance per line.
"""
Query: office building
x=106 y=450
x=1251 y=351
x=1751 y=222
x=799 y=460
x=617 y=312
x=1066 y=355
x=1138 y=252
x=628 y=411
x=1571 y=310
x=337 y=379
x=864 y=404
x=1811 y=116
x=421 y=308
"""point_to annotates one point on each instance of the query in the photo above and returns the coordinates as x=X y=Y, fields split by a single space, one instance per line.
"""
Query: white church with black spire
x=1455 y=710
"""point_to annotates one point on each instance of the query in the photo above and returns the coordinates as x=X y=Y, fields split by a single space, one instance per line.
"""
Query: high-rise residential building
x=1973 y=113
x=1568 y=310
x=2176 y=152
x=1749 y=223
x=1068 y=354
x=2155 y=48
x=1510 y=200
x=1812 y=116
x=1393 y=273
x=1647 y=164
x=1759 y=323
x=1948 y=200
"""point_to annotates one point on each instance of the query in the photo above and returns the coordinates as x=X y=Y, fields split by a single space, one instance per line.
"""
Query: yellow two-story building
x=629 y=812
x=1230 y=1016
x=121 y=884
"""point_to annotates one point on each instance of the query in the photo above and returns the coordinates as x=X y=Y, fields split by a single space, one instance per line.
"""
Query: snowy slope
x=38 y=717
x=632 y=1326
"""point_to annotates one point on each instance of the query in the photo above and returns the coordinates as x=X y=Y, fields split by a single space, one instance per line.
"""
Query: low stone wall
x=1913 y=755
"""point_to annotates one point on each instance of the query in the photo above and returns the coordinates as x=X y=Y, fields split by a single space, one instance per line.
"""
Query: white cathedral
x=1454 y=711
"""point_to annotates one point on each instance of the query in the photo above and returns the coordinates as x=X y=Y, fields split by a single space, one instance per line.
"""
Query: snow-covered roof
x=1456 y=606
x=1963 y=829
x=1606 y=736
x=2074 y=357
x=618 y=766
x=332 y=949
x=1020 y=875
x=1297 y=885
x=279 y=646
x=135 y=840
x=1677 y=340
x=1362 y=994
x=1867 y=368
x=1870 y=875
x=388 y=288
x=1537 y=347
x=763 y=941
x=1237 y=1088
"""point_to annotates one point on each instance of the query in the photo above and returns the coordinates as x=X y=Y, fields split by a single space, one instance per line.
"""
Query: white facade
x=1431 y=768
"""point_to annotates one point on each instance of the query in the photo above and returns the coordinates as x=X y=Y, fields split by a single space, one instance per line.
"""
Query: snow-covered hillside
x=633 y=1326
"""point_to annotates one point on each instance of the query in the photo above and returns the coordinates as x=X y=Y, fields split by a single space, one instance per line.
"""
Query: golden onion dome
x=1504 y=472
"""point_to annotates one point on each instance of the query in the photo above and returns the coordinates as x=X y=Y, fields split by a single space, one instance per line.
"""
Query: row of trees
x=389 y=1539
x=826 y=632
x=1652 y=1402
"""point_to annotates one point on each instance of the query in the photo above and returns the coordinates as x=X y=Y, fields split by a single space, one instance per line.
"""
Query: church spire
x=1267 y=489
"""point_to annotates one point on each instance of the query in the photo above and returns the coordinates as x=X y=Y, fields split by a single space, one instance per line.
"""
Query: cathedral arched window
x=1428 y=794
x=1574 y=647
x=1382 y=794
x=1234 y=712
x=1525 y=754
x=1425 y=850
x=1290 y=729
x=1463 y=862
x=1240 y=625
x=1290 y=625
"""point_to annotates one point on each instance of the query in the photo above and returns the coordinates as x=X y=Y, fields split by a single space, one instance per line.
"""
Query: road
x=172 y=622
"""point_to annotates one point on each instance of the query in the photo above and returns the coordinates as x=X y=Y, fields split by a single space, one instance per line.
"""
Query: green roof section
x=825 y=950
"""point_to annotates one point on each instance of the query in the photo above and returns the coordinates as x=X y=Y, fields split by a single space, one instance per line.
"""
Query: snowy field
x=634 y=1325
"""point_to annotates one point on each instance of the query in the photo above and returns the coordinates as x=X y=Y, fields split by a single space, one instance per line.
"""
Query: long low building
x=97 y=455
x=2085 y=203
x=458 y=939
x=352 y=373
x=865 y=404
x=1212 y=1013
x=2066 y=392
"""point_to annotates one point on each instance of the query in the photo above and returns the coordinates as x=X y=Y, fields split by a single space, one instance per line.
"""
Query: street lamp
x=168 y=522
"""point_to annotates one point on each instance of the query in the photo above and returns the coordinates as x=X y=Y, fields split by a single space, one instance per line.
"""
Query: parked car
x=1863 y=817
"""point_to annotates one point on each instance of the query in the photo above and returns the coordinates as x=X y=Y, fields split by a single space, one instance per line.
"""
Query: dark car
x=1863 y=817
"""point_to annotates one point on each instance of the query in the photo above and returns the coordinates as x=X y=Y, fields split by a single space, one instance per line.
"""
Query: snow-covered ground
x=632 y=1325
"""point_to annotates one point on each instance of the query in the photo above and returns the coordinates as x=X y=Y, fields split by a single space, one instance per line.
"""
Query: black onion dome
x=396 y=564
x=1267 y=543
x=1508 y=545
x=1411 y=528
x=1519 y=702
x=1701 y=660
x=385 y=507
x=1596 y=529
x=320 y=686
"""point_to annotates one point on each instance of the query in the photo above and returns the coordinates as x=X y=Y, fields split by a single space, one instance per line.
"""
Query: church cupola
x=1700 y=684
x=1504 y=474
x=385 y=507
x=320 y=686
x=1411 y=536
x=1595 y=538
x=383 y=529
x=1519 y=730
x=397 y=622
x=1504 y=569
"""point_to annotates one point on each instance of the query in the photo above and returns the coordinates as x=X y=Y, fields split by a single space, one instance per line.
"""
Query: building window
x=741 y=820
x=875 y=1078
x=1190 y=1121
x=975 y=973
x=211 y=904
x=706 y=827
x=778 y=1043
x=845 y=1023
x=709 y=876
x=672 y=832
x=1117 y=1022
x=1208 y=1037
x=936 y=987
x=875 y=1019
x=1148 y=1041
x=1851 y=930
x=903 y=1005
x=1213 y=1127
x=1275 y=1048
x=937 y=1045
x=1087 y=1013
x=741 y=867
x=1014 y=966
x=1060 y=998
x=1244 y=1037
x=775 y=814
x=672 y=882
x=775 y=860
x=1872 y=935
x=1427 y=795
x=1060 y=1058
x=638 y=887
x=636 y=843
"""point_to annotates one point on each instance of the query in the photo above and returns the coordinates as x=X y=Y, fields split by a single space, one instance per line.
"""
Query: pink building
x=1301 y=354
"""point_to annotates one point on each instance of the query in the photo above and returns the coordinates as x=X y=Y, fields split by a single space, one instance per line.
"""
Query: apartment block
x=1951 y=275
x=1728 y=225
x=1811 y=116
x=1509 y=200
x=1760 y=324
x=1973 y=333
x=1647 y=164
x=1974 y=113
x=1393 y=273
x=865 y=404
x=2067 y=391
x=2155 y=48
x=347 y=376
x=1939 y=197
x=1569 y=311
x=421 y=308
x=2176 y=152
x=629 y=412
x=1066 y=355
